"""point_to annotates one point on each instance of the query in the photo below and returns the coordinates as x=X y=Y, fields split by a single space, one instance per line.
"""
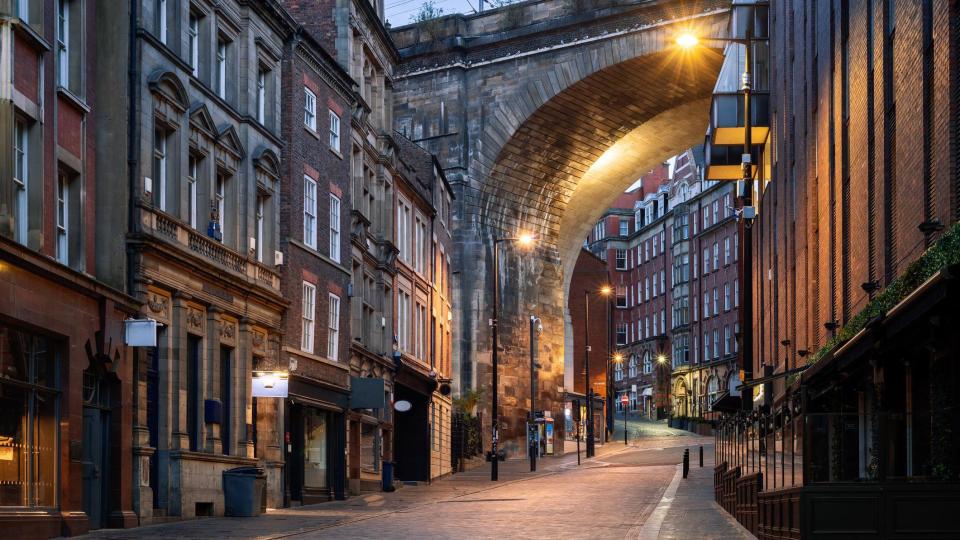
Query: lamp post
x=524 y=240
x=747 y=210
x=535 y=324
x=587 y=389
x=617 y=359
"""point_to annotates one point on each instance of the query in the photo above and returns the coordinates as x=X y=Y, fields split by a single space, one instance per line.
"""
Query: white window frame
x=21 y=177
x=220 y=197
x=334 y=228
x=333 y=327
x=192 y=169
x=334 y=131
x=222 y=67
x=403 y=320
x=63 y=43
x=160 y=155
x=262 y=94
x=404 y=240
x=193 y=33
x=309 y=109
x=62 y=217
x=621 y=259
x=162 y=30
x=308 y=316
x=260 y=211
x=309 y=212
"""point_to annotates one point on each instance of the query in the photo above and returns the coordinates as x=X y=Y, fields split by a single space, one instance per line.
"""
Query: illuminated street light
x=687 y=40
x=661 y=359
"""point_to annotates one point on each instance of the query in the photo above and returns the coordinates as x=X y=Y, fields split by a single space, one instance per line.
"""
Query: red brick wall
x=589 y=274
x=848 y=193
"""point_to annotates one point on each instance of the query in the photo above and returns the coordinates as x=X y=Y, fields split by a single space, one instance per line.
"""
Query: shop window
x=29 y=446
x=315 y=458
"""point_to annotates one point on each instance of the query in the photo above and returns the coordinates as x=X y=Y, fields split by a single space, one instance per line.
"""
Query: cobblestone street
x=625 y=492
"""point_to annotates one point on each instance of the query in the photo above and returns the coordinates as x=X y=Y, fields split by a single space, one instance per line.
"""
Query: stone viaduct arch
x=541 y=114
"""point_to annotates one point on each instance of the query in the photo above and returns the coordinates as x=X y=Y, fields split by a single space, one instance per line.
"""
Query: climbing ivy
x=944 y=252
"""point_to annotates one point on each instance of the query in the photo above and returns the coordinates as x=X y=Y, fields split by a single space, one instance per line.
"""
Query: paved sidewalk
x=694 y=513
x=614 y=495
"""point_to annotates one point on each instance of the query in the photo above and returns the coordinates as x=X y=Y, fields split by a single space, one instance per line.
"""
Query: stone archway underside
x=583 y=147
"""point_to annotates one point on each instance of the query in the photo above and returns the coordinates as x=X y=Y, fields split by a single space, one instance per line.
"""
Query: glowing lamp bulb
x=687 y=40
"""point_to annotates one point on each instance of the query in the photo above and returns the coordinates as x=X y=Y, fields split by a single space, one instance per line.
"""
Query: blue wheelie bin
x=244 y=491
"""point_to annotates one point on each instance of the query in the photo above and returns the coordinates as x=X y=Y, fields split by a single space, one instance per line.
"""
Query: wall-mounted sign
x=402 y=405
x=140 y=332
x=270 y=384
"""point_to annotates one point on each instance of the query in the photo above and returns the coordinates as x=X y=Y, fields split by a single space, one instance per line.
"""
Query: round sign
x=402 y=405
x=624 y=399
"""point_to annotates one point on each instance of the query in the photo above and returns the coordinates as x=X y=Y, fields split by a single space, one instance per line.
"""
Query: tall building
x=673 y=266
x=66 y=377
x=197 y=120
x=315 y=214
x=854 y=380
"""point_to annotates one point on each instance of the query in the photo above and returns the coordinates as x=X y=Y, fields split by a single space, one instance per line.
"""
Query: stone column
x=179 y=439
x=211 y=432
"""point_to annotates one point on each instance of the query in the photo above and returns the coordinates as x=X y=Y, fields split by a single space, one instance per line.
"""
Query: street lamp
x=605 y=291
x=742 y=11
x=525 y=241
x=535 y=324
x=617 y=359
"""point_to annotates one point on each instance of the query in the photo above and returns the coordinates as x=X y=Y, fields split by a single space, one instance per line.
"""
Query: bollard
x=701 y=457
x=686 y=462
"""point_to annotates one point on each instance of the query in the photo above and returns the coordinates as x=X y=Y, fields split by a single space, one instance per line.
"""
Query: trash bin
x=244 y=491
x=387 y=472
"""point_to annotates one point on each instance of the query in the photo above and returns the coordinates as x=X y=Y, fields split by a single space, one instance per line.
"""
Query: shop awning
x=726 y=403
x=648 y=391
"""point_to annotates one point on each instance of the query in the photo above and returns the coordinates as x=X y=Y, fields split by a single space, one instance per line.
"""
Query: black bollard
x=686 y=462
x=701 y=457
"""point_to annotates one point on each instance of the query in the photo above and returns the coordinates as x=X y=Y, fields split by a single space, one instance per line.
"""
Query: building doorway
x=96 y=445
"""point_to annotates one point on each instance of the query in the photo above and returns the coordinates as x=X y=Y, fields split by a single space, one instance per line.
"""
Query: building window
x=621 y=296
x=726 y=250
x=404 y=243
x=260 y=238
x=621 y=259
x=309 y=109
x=262 y=95
x=403 y=321
x=333 y=327
x=222 y=67
x=736 y=293
x=334 y=132
x=63 y=217
x=624 y=227
x=716 y=256
x=663 y=321
x=309 y=212
x=621 y=334
x=63 y=43
x=162 y=15
x=309 y=309
x=193 y=37
x=727 y=340
x=716 y=301
x=633 y=366
x=192 y=170
x=21 y=172
x=706 y=346
x=160 y=168
x=706 y=305
x=618 y=371
x=421 y=332
x=716 y=343
x=663 y=281
x=23 y=10
x=220 y=201
x=420 y=255
x=29 y=421
x=334 y=228
x=706 y=261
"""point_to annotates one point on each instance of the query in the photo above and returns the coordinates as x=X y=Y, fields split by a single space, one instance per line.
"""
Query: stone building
x=317 y=106
x=198 y=118
x=66 y=379
x=423 y=315
x=353 y=32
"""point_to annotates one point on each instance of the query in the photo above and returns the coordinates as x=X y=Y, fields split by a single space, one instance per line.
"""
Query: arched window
x=618 y=371
x=713 y=390
x=633 y=365
x=647 y=362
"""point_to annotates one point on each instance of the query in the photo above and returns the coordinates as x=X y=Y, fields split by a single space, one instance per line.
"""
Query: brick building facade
x=66 y=379
x=673 y=265
x=317 y=104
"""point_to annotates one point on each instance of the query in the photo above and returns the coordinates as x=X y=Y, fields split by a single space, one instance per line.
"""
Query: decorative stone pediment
x=201 y=120
x=228 y=139
x=267 y=163
x=168 y=91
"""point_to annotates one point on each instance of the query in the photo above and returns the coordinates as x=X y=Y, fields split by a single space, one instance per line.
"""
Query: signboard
x=270 y=384
x=367 y=393
x=140 y=332
x=624 y=399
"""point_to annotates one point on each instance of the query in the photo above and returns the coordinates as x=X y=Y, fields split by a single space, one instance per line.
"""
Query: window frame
x=310 y=212
x=63 y=43
x=308 y=316
x=335 y=205
x=333 y=326
x=62 y=219
x=21 y=179
x=334 y=141
x=309 y=109
x=193 y=42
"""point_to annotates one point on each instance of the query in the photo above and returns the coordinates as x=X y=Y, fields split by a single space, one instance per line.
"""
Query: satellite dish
x=402 y=405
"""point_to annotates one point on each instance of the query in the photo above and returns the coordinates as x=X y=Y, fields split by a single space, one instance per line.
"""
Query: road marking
x=651 y=528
